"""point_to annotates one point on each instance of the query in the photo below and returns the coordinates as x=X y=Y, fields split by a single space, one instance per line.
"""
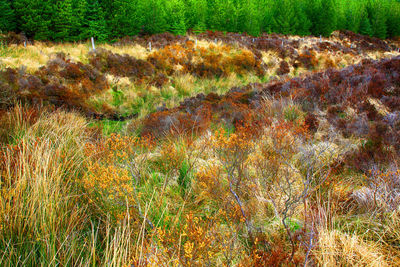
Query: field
x=216 y=149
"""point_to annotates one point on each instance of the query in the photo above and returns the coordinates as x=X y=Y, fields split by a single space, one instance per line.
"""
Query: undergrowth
x=110 y=164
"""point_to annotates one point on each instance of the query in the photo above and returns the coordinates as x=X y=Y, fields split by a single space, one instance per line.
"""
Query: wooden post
x=93 y=45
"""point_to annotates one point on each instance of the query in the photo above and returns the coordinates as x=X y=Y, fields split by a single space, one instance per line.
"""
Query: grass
x=143 y=99
x=337 y=248
x=55 y=219
x=76 y=191
x=41 y=225
x=108 y=127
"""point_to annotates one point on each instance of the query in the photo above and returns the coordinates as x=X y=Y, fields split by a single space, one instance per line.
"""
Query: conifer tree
x=267 y=15
x=377 y=15
x=313 y=8
x=365 y=26
x=126 y=19
x=62 y=19
x=223 y=16
x=352 y=17
x=75 y=19
x=340 y=9
x=229 y=14
x=95 y=23
x=285 y=20
x=323 y=17
x=211 y=14
x=197 y=14
x=7 y=16
x=328 y=17
x=107 y=6
x=393 y=19
x=35 y=18
x=176 y=16
x=155 y=17
x=249 y=17
x=304 y=24
x=78 y=27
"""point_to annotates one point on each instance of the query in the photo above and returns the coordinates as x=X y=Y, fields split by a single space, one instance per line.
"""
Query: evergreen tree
x=340 y=14
x=155 y=17
x=176 y=17
x=107 y=6
x=323 y=17
x=328 y=18
x=304 y=24
x=95 y=23
x=62 y=20
x=211 y=14
x=285 y=20
x=352 y=17
x=267 y=16
x=249 y=17
x=377 y=15
x=7 y=17
x=223 y=16
x=365 y=26
x=78 y=27
x=126 y=17
x=76 y=19
x=35 y=18
x=393 y=19
x=197 y=11
x=313 y=8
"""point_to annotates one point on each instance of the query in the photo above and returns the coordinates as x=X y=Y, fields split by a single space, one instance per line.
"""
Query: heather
x=106 y=20
x=211 y=149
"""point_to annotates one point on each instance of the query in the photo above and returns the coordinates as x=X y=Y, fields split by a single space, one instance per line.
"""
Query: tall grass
x=41 y=215
x=43 y=221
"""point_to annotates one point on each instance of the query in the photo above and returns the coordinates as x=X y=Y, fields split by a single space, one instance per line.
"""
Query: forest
x=74 y=20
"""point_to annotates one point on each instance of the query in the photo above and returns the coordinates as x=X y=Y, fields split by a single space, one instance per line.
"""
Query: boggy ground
x=212 y=149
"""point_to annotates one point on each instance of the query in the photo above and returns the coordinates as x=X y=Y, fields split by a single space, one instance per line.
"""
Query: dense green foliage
x=72 y=20
x=7 y=16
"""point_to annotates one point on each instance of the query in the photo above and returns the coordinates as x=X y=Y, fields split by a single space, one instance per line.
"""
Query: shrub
x=60 y=83
x=283 y=68
x=120 y=65
x=307 y=60
x=213 y=61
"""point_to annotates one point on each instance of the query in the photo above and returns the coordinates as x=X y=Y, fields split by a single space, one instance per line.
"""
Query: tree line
x=73 y=20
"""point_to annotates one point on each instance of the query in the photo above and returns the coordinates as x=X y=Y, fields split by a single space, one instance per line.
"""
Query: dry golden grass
x=43 y=220
x=35 y=56
x=336 y=248
x=36 y=188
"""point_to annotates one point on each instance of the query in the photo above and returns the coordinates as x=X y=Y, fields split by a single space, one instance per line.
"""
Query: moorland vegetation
x=73 y=20
x=216 y=149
